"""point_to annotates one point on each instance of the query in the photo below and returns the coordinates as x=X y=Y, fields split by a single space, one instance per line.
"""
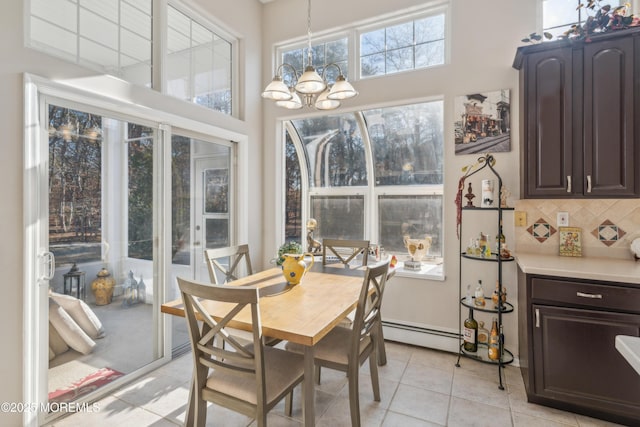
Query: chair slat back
x=245 y=360
x=235 y=254
x=345 y=250
x=369 y=303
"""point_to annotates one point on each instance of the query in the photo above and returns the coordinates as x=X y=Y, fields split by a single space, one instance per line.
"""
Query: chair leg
x=354 y=397
x=318 y=374
x=261 y=417
x=373 y=369
x=201 y=412
x=382 y=352
x=288 y=404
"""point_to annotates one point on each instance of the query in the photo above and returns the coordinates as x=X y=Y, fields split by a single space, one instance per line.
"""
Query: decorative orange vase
x=102 y=287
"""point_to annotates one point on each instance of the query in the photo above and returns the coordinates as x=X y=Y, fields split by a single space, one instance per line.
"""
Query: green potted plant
x=290 y=247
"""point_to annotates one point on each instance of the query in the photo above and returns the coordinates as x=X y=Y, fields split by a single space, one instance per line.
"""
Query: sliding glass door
x=117 y=206
x=201 y=206
x=102 y=222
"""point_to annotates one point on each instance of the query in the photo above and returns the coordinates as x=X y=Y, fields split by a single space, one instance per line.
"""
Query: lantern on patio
x=74 y=279
x=130 y=290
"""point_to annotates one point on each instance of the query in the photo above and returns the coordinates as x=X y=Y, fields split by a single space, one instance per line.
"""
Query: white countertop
x=606 y=269
x=629 y=347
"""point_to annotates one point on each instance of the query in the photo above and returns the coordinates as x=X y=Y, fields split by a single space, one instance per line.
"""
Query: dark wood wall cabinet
x=579 y=104
x=567 y=345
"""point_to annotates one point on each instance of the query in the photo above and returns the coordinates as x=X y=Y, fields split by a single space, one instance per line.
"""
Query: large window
x=375 y=174
x=405 y=46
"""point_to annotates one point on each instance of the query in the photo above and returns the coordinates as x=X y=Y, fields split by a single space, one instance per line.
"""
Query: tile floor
x=419 y=387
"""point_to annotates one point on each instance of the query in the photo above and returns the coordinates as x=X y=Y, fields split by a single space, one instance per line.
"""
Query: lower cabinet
x=569 y=358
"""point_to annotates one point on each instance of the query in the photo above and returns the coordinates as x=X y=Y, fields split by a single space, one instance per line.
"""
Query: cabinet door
x=610 y=149
x=548 y=95
x=576 y=361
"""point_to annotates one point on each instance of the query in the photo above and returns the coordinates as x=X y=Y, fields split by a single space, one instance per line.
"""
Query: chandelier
x=309 y=89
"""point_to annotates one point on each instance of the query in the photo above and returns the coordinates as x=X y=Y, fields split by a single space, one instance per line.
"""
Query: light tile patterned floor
x=419 y=387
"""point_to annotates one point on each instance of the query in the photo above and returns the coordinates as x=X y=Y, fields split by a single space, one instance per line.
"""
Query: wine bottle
x=494 y=341
x=470 y=333
x=479 y=295
x=483 y=333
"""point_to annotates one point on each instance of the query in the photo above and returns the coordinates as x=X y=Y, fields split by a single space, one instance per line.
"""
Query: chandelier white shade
x=310 y=88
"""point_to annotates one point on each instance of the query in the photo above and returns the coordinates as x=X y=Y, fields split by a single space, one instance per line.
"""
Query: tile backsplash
x=608 y=225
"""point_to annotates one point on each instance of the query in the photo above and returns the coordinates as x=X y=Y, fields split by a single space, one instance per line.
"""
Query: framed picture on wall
x=483 y=122
x=570 y=241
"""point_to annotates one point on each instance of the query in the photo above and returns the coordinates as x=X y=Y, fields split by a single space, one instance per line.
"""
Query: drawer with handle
x=618 y=297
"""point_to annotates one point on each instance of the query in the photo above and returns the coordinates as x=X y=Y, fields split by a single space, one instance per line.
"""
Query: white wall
x=241 y=17
x=484 y=39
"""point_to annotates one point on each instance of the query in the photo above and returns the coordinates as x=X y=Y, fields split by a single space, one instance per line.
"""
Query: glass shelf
x=478 y=208
x=482 y=355
x=488 y=308
x=492 y=258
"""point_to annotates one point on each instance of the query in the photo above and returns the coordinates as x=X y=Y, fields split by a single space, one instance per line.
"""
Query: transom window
x=199 y=64
x=405 y=42
x=328 y=52
x=115 y=37
x=405 y=46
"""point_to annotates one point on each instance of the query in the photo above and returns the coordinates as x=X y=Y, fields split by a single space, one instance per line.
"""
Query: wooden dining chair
x=346 y=349
x=228 y=270
x=247 y=378
x=344 y=250
x=226 y=262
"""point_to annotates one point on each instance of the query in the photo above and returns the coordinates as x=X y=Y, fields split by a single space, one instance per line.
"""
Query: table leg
x=308 y=388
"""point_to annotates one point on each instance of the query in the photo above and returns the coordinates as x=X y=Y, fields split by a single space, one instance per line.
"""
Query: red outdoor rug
x=84 y=386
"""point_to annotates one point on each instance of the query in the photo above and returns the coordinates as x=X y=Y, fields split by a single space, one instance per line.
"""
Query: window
x=112 y=36
x=375 y=174
x=411 y=45
x=559 y=15
x=407 y=144
x=406 y=44
x=199 y=63
x=115 y=37
x=334 y=51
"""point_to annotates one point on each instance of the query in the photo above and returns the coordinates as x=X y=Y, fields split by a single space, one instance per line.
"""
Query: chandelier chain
x=309 y=56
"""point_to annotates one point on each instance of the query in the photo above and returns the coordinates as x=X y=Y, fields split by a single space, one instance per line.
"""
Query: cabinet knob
x=537 y=317
x=588 y=183
x=568 y=183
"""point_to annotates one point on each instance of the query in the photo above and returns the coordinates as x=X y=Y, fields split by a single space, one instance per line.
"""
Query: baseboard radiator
x=421 y=335
x=425 y=336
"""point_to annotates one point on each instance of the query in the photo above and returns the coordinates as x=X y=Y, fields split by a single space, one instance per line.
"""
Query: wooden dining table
x=302 y=314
